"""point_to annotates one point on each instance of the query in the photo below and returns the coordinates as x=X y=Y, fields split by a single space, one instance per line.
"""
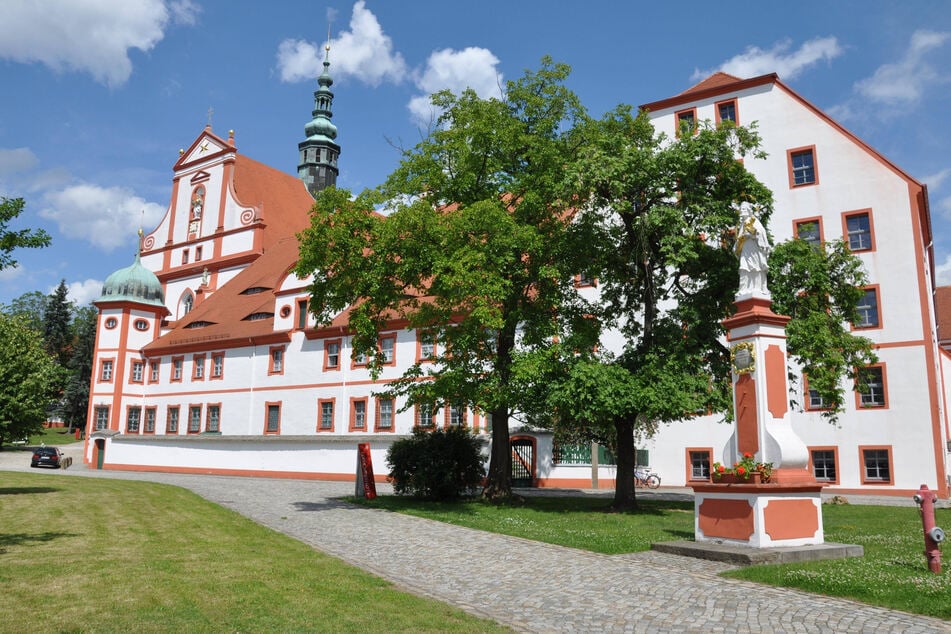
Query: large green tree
x=74 y=404
x=475 y=252
x=820 y=287
x=661 y=220
x=57 y=319
x=29 y=380
x=10 y=209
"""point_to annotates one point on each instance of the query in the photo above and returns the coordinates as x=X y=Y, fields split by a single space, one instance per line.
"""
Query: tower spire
x=319 y=151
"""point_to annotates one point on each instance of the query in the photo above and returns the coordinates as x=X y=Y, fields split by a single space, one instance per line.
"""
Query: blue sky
x=99 y=95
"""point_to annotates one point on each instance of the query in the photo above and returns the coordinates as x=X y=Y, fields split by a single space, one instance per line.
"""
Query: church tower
x=319 y=152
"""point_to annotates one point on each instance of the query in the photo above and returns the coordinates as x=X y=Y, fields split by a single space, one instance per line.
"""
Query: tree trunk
x=498 y=484
x=624 y=496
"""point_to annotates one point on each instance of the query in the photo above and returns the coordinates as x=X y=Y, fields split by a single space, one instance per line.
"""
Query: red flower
x=747 y=455
x=721 y=469
x=741 y=471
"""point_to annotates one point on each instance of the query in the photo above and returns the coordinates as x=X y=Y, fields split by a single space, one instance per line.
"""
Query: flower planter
x=755 y=477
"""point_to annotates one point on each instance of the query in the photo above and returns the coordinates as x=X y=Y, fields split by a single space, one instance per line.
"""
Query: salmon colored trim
x=221 y=375
x=172 y=216
x=188 y=422
x=777 y=395
x=688 y=471
x=814 y=219
x=155 y=371
x=532 y=468
x=145 y=428
x=420 y=334
x=388 y=337
x=677 y=119
x=433 y=411
x=179 y=272
x=208 y=407
x=353 y=413
x=736 y=110
x=256 y=473
x=198 y=367
x=276 y=365
x=267 y=407
x=871 y=229
x=806 y=405
x=891 y=465
x=726 y=518
x=181 y=369
x=815 y=166
x=835 y=458
x=212 y=344
x=791 y=519
x=747 y=435
x=573 y=483
x=128 y=411
x=227 y=176
x=858 y=395
x=327 y=366
x=878 y=309
x=168 y=419
x=320 y=415
x=112 y=370
x=448 y=416
x=376 y=418
x=299 y=310
x=700 y=95
x=927 y=320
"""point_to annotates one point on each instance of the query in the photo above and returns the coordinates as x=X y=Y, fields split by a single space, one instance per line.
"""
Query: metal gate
x=523 y=462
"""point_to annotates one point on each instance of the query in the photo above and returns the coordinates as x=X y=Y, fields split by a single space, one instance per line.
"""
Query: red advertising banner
x=365 y=472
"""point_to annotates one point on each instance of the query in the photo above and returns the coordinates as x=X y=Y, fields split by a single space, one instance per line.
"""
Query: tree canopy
x=475 y=251
x=29 y=380
x=477 y=236
x=10 y=240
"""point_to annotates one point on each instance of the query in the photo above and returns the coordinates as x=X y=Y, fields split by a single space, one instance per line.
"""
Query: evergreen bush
x=437 y=464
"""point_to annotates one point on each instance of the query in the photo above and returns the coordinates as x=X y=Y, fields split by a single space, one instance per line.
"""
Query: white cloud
x=904 y=81
x=779 y=59
x=19 y=159
x=942 y=272
x=11 y=273
x=933 y=181
x=81 y=293
x=472 y=67
x=105 y=217
x=364 y=52
x=92 y=36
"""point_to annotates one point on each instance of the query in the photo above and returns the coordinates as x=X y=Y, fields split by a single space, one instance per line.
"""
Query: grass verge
x=893 y=573
x=96 y=555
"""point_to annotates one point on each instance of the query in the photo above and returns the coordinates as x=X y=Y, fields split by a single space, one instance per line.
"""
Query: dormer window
x=259 y=316
x=198 y=324
x=254 y=290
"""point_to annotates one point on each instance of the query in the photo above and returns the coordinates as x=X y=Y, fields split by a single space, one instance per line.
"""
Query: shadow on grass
x=23 y=490
x=19 y=539
x=555 y=505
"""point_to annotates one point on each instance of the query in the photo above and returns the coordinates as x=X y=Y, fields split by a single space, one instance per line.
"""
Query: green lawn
x=95 y=555
x=893 y=573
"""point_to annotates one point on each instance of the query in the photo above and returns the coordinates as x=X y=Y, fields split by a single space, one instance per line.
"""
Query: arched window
x=186 y=304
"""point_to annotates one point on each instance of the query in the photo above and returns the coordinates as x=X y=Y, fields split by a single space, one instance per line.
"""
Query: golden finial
x=181 y=151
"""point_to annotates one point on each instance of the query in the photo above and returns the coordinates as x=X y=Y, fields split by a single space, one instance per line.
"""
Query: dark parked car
x=49 y=457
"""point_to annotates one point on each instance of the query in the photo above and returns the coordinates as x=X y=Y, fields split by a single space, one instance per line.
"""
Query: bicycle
x=644 y=477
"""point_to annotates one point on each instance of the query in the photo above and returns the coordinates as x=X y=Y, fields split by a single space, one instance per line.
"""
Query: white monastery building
x=207 y=360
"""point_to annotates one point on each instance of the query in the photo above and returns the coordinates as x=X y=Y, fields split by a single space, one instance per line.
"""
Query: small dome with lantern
x=134 y=283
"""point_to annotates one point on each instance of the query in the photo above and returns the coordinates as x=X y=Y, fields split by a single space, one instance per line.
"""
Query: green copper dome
x=134 y=283
x=320 y=127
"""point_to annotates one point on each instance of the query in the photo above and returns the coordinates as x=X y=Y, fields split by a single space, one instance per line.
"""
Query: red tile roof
x=942 y=308
x=282 y=200
x=716 y=80
x=226 y=310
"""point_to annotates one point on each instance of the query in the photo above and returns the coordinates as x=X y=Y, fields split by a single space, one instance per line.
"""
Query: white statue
x=752 y=247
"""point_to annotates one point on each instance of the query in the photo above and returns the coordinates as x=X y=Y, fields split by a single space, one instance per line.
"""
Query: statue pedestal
x=786 y=511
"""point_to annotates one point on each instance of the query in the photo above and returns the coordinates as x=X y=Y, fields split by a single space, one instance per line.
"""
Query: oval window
x=111 y=323
x=141 y=324
x=285 y=311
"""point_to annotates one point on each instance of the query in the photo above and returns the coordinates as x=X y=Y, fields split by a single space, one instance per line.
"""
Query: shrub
x=437 y=465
